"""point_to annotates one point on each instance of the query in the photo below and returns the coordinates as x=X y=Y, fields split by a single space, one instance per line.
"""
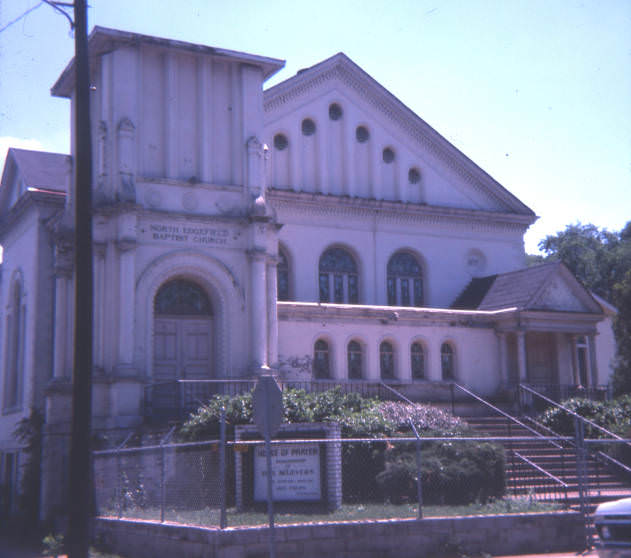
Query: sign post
x=268 y=413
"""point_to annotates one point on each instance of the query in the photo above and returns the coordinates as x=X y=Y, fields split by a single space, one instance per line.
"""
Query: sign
x=267 y=401
x=189 y=234
x=295 y=473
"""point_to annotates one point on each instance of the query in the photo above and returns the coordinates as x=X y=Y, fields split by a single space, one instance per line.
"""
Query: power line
x=21 y=16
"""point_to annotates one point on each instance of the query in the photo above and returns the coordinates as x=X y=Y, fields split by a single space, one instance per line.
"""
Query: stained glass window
x=338 y=277
x=321 y=368
x=354 y=360
x=418 y=361
x=405 y=280
x=386 y=360
x=182 y=297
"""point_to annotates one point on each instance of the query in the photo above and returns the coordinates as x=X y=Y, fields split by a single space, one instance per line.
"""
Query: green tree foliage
x=601 y=260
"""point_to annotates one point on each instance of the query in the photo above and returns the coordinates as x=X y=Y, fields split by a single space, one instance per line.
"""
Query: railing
x=609 y=436
x=550 y=486
x=558 y=392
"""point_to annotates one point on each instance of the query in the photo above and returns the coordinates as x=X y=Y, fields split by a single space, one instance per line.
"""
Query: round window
x=280 y=141
x=335 y=111
x=362 y=134
x=388 y=155
x=308 y=127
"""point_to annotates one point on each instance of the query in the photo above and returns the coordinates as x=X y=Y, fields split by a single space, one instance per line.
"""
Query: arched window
x=386 y=360
x=405 y=280
x=354 y=353
x=447 y=362
x=181 y=297
x=321 y=360
x=338 y=279
x=14 y=362
x=417 y=356
x=282 y=273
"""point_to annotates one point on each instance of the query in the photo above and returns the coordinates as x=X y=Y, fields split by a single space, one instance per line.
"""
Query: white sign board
x=295 y=473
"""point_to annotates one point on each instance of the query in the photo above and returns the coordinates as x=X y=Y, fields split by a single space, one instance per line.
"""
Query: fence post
x=222 y=468
x=162 y=479
x=119 y=490
x=579 y=440
x=419 y=481
x=453 y=399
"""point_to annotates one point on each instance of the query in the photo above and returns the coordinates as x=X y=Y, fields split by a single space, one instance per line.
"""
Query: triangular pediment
x=26 y=170
x=562 y=293
x=348 y=155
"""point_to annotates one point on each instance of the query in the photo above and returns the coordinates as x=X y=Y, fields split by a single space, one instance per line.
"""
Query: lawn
x=348 y=512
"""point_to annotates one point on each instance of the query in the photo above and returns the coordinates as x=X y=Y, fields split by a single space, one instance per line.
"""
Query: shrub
x=451 y=473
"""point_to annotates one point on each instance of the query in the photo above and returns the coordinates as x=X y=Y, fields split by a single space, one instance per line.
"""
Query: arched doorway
x=183 y=332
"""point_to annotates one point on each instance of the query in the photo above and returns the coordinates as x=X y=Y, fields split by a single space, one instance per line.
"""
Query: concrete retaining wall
x=433 y=537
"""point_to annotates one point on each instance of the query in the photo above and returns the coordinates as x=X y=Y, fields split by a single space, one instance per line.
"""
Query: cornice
x=313 y=311
x=29 y=200
x=385 y=211
x=343 y=69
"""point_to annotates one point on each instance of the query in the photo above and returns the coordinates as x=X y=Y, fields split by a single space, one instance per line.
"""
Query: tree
x=601 y=260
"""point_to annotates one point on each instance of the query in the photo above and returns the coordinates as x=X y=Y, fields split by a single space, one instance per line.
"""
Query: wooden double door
x=182 y=348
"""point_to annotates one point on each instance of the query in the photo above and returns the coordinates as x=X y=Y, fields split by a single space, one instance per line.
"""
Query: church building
x=318 y=230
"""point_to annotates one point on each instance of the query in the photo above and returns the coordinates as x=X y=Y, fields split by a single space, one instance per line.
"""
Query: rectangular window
x=405 y=292
x=324 y=288
x=353 y=290
x=392 y=292
x=418 y=292
x=338 y=289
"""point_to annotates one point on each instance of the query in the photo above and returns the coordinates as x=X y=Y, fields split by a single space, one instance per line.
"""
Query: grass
x=348 y=512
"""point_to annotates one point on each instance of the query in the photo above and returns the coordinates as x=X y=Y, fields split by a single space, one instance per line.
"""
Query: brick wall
x=432 y=537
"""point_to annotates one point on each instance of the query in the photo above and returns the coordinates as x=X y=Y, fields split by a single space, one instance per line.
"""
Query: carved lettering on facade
x=189 y=234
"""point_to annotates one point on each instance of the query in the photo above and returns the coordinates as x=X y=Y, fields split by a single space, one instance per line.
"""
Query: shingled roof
x=517 y=289
x=41 y=169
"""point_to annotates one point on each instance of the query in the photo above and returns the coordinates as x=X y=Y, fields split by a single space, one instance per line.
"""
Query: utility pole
x=80 y=486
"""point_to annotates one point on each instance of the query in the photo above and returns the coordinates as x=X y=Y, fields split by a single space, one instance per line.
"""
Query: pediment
x=331 y=158
x=562 y=293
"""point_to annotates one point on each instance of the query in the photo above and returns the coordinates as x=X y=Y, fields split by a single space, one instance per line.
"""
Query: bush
x=458 y=473
x=614 y=416
x=451 y=473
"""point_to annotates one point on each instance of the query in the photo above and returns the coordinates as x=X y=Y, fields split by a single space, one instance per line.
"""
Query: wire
x=21 y=16
x=55 y=5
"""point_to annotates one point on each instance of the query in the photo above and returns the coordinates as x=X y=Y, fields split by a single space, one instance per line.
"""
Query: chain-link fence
x=331 y=479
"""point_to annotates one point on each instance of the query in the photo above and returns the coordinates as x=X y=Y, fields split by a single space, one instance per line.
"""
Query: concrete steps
x=526 y=476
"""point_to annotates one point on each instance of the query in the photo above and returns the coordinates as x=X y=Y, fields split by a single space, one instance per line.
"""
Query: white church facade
x=238 y=229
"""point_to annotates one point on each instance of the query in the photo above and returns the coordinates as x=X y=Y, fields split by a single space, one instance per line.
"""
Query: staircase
x=545 y=470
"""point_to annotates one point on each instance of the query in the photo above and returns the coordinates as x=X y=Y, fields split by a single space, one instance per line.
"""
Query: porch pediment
x=547 y=287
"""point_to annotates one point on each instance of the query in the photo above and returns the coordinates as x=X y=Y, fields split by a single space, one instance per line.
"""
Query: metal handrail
x=573 y=413
x=541 y=470
x=599 y=453
x=504 y=414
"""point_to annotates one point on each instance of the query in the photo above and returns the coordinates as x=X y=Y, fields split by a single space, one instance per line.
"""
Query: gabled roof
x=547 y=287
x=340 y=67
x=104 y=39
x=38 y=169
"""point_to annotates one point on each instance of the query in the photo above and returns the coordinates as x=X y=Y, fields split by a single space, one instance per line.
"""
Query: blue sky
x=537 y=93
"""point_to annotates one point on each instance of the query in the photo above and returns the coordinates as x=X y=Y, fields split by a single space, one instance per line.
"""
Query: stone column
x=502 y=354
x=272 y=313
x=574 y=357
x=521 y=356
x=126 y=299
x=593 y=366
x=258 y=309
